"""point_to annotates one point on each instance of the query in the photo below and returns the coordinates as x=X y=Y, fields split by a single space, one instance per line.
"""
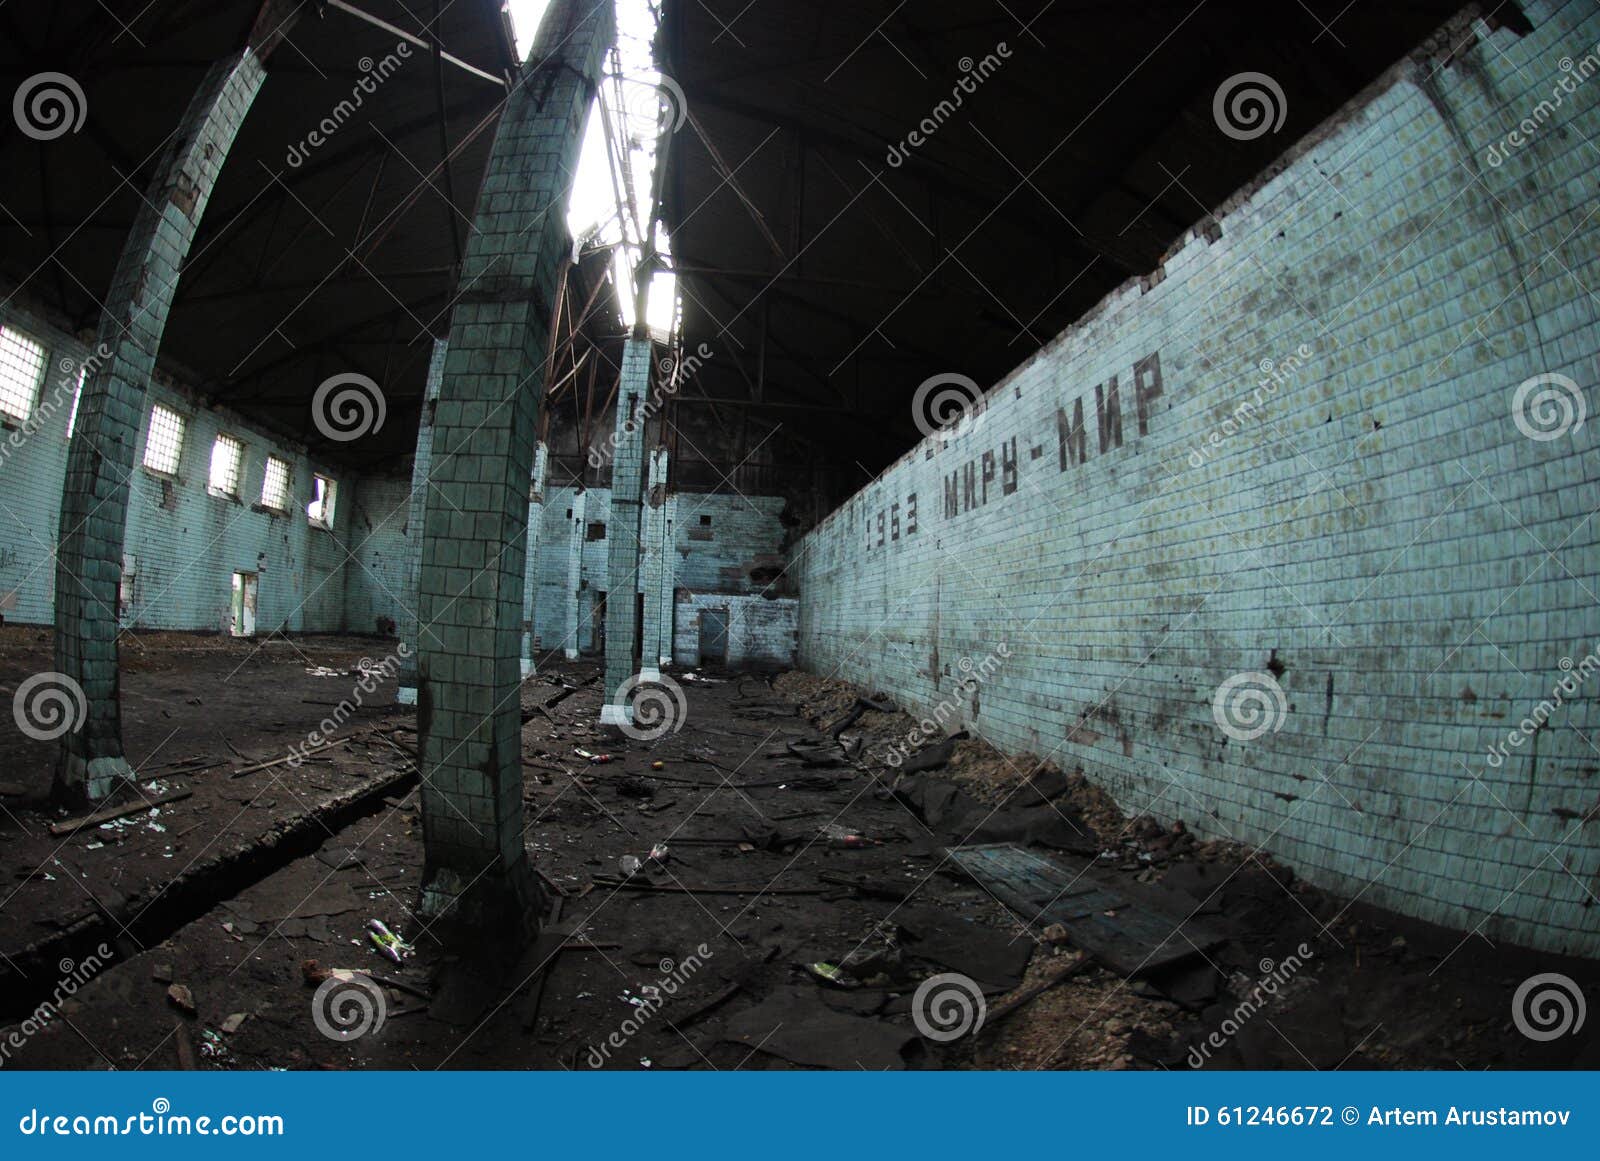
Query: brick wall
x=185 y=543
x=716 y=558
x=1291 y=454
x=761 y=630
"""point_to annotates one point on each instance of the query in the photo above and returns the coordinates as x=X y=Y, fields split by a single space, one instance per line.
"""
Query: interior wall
x=183 y=543
x=724 y=554
x=1302 y=456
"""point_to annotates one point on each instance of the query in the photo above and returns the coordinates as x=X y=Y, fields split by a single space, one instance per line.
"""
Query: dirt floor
x=804 y=898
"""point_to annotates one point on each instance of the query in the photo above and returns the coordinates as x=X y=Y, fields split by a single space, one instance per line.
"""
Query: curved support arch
x=475 y=526
x=101 y=460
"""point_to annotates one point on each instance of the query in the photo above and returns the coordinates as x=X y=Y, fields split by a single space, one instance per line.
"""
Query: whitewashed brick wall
x=1378 y=533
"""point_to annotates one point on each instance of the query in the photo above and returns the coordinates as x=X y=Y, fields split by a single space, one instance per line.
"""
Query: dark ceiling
x=1084 y=154
x=1072 y=167
x=342 y=263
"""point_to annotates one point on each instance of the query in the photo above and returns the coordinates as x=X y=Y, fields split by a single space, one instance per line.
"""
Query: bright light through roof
x=632 y=103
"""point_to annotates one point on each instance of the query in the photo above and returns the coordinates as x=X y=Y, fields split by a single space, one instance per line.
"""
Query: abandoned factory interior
x=763 y=535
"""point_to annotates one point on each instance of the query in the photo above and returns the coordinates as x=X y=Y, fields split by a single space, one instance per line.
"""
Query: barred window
x=22 y=363
x=226 y=456
x=164 y=444
x=275 y=485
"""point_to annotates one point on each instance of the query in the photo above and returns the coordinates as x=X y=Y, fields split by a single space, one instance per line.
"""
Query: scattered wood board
x=1112 y=921
x=73 y=825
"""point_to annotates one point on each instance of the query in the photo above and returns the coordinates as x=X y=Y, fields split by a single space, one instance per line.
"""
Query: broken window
x=227 y=454
x=77 y=398
x=320 y=511
x=21 y=371
x=596 y=531
x=164 y=443
x=275 y=485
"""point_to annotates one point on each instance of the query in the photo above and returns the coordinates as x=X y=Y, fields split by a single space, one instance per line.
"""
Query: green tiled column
x=656 y=650
x=622 y=530
x=406 y=687
x=530 y=589
x=105 y=442
x=475 y=529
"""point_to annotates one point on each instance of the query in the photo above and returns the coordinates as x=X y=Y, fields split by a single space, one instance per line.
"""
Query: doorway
x=244 y=604
x=714 y=636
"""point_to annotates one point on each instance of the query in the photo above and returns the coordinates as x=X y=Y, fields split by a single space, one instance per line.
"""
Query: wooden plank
x=73 y=825
x=1102 y=916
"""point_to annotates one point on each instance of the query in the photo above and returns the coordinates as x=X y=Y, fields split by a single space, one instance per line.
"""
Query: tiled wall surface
x=704 y=558
x=184 y=544
x=1302 y=452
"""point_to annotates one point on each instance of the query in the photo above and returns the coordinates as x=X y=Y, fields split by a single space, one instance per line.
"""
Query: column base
x=405 y=695
x=616 y=715
x=80 y=780
x=649 y=673
x=505 y=906
x=570 y=654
